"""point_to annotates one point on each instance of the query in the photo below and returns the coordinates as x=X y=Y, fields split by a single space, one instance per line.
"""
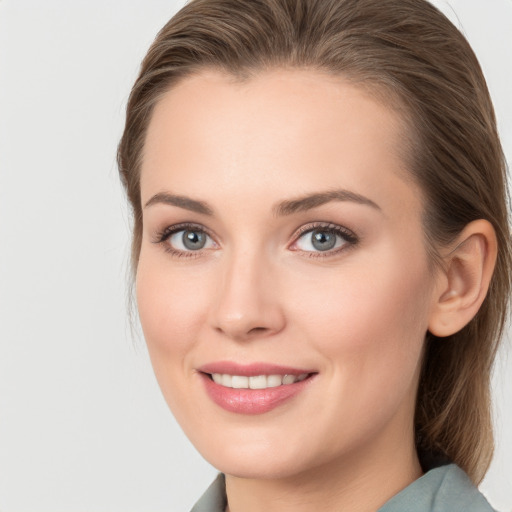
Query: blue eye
x=325 y=239
x=185 y=239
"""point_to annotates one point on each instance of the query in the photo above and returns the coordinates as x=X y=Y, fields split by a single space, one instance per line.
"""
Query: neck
x=359 y=483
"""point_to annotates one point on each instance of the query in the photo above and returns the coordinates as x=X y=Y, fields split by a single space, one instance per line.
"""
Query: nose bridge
x=246 y=303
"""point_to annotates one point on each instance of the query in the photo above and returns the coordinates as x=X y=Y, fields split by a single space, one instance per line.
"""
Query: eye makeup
x=194 y=241
x=191 y=240
x=333 y=237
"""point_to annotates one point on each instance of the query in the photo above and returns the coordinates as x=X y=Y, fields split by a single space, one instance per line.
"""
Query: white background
x=83 y=426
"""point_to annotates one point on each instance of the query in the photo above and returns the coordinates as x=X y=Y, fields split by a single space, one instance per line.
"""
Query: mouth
x=256 y=381
x=253 y=389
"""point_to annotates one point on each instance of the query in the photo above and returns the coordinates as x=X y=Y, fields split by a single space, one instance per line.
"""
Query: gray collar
x=214 y=498
x=443 y=489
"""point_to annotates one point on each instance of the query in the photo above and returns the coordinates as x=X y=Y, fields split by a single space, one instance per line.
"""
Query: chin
x=262 y=468
x=256 y=460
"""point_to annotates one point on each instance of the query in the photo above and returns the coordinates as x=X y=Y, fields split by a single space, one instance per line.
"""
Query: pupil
x=323 y=241
x=194 y=240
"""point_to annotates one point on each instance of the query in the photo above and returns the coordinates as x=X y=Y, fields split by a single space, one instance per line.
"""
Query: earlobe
x=464 y=280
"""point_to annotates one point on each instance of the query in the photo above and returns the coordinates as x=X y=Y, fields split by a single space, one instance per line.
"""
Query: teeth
x=256 y=382
x=274 y=380
x=288 y=379
x=239 y=382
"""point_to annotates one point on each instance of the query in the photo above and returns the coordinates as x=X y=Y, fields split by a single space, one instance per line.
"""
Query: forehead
x=310 y=129
x=309 y=98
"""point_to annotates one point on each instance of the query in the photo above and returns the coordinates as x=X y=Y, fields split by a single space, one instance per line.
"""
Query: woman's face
x=283 y=285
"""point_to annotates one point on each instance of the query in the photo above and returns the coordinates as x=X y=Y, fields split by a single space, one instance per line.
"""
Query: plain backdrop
x=83 y=426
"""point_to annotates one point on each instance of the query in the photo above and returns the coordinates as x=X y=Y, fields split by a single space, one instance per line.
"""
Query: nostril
x=255 y=330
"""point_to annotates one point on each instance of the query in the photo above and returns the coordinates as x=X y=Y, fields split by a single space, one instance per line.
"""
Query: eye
x=328 y=239
x=184 y=239
x=188 y=240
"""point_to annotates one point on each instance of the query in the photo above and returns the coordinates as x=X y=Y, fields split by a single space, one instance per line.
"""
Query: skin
x=260 y=292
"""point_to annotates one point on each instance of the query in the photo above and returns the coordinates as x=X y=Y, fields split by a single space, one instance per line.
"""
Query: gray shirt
x=443 y=489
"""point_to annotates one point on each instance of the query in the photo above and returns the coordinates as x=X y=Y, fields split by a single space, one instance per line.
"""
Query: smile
x=256 y=388
x=256 y=381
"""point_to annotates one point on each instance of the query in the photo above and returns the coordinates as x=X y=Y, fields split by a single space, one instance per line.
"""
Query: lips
x=253 y=389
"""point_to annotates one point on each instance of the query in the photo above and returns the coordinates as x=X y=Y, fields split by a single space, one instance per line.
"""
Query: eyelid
x=348 y=235
x=162 y=236
x=350 y=238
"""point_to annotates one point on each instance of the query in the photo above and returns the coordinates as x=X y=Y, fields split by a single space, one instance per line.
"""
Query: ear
x=463 y=281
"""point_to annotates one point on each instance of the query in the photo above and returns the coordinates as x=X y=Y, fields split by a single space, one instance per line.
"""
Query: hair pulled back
x=410 y=55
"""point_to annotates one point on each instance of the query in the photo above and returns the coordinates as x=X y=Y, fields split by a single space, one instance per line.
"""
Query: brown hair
x=405 y=50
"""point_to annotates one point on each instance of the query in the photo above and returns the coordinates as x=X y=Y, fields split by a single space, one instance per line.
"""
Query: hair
x=413 y=57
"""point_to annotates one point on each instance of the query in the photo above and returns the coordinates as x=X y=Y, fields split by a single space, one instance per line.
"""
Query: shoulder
x=443 y=489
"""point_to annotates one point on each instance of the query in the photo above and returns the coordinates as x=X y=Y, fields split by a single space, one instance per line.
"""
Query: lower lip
x=252 y=401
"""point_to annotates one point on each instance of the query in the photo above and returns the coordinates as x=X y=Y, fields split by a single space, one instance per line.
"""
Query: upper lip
x=251 y=370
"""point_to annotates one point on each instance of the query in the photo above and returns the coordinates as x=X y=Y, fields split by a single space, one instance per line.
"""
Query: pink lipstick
x=252 y=389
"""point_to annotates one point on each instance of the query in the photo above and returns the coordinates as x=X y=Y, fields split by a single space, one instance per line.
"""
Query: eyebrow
x=180 y=201
x=310 y=201
x=283 y=208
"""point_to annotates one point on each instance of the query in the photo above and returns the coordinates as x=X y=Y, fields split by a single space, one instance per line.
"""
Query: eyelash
x=347 y=235
x=162 y=236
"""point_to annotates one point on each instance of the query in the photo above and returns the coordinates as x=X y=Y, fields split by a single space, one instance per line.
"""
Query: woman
x=321 y=250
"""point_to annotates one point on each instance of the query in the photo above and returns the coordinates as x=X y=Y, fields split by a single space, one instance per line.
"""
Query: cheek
x=371 y=316
x=171 y=308
x=369 y=324
x=172 y=313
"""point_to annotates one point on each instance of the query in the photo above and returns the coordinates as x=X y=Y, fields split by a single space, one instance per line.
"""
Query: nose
x=247 y=303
